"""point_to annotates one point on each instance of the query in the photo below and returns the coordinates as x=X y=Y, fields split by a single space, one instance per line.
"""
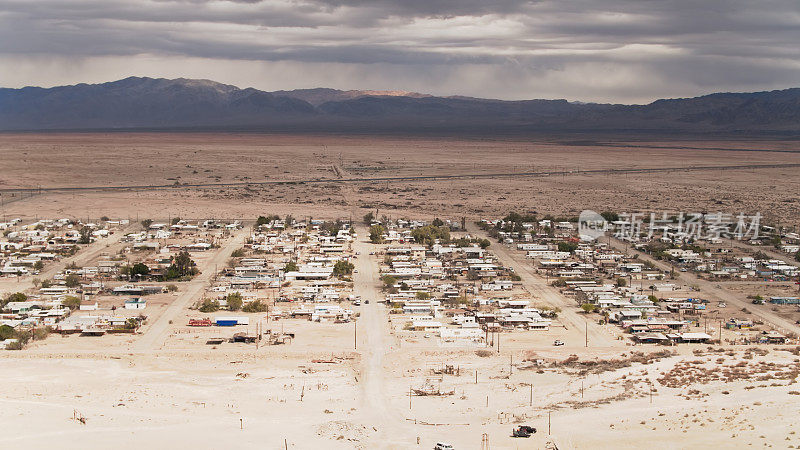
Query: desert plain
x=162 y=387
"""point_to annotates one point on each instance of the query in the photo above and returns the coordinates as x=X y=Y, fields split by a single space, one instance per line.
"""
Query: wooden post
x=548 y=422
x=409 y=397
x=587 y=333
x=531 y=400
x=241 y=424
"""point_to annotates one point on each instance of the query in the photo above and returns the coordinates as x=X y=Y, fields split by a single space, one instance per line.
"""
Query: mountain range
x=185 y=104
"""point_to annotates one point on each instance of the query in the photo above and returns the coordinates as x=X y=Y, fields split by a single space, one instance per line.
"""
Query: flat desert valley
x=377 y=378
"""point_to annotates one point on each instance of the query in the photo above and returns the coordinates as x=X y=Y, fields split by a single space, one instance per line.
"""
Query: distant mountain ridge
x=148 y=103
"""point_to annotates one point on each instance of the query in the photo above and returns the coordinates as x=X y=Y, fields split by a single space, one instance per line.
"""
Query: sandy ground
x=165 y=387
x=54 y=160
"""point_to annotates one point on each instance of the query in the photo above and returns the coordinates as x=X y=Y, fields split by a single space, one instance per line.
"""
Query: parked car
x=442 y=446
x=558 y=342
x=523 y=431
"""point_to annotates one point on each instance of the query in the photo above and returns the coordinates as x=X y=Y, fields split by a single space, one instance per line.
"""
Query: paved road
x=156 y=333
x=403 y=179
x=538 y=287
x=710 y=288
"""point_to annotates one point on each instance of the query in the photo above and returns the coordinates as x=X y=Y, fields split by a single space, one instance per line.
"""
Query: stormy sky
x=624 y=51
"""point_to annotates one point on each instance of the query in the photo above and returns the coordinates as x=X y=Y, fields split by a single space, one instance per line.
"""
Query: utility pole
x=587 y=334
x=355 y=334
x=530 y=402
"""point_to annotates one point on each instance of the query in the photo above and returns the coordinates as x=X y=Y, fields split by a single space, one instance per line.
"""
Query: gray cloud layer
x=614 y=50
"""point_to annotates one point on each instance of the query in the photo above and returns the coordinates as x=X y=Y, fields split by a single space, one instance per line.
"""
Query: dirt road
x=89 y=253
x=373 y=344
x=533 y=283
x=155 y=334
x=714 y=290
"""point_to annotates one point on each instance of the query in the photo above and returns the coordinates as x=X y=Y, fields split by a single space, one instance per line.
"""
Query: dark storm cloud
x=665 y=46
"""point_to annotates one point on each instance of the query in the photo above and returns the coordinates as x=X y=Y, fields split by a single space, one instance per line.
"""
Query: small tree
x=290 y=266
x=368 y=218
x=39 y=265
x=343 y=268
x=235 y=301
x=423 y=295
x=588 y=307
x=15 y=297
x=209 y=305
x=376 y=234
x=388 y=281
x=182 y=266
x=622 y=282
x=72 y=280
x=71 y=302
x=797 y=256
x=146 y=223
x=7 y=332
x=139 y=270
x=85 y=236
x=255 y=306
x=567 y=247
x=238 y=253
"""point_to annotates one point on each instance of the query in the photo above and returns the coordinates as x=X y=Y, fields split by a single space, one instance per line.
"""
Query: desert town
x=394 y=224
x=461 y=332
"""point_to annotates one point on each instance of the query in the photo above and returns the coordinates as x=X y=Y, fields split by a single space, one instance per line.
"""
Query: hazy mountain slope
x=144 y=102
x=159 y=103
x=319 y=96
